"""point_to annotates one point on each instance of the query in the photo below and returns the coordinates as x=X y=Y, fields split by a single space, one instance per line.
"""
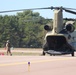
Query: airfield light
x=28 y=66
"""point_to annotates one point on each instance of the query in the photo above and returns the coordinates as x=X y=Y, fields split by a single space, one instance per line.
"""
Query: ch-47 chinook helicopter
x=62 y=38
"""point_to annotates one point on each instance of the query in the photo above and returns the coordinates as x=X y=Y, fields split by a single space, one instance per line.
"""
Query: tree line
x=24 y=30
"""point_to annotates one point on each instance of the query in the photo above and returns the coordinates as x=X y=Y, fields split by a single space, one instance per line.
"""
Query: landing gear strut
x=43 y=53
x=72 y=53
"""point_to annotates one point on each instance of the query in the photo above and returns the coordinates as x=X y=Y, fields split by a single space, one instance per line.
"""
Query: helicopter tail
x=57 y=45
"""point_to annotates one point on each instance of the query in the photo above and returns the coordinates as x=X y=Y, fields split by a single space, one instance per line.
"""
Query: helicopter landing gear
x=50 y=54
x=43 y=53
x=72 y=54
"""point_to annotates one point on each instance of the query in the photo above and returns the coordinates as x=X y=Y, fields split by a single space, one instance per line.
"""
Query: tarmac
x=38 y=65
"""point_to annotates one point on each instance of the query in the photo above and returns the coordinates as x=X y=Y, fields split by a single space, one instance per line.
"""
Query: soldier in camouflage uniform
x=8 y=47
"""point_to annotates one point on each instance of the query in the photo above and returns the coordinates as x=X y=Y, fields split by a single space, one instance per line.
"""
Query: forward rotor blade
x=70 y=19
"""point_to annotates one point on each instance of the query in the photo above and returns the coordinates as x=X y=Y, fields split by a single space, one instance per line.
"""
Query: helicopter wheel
x=72 y=53
x=53 y=54
x=50 y=54
x=43 y=53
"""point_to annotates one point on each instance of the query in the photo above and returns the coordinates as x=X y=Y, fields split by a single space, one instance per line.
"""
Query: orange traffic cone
x=2 y=54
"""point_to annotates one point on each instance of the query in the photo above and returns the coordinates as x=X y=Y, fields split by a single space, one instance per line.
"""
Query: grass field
x=23 y=51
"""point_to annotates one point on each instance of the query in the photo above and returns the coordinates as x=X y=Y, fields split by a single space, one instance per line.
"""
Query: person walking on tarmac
x=8 y=48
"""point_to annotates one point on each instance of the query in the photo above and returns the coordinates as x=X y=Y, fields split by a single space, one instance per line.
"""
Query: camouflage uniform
x=8 y=46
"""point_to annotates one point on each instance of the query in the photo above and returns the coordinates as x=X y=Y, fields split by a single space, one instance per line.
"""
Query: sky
x=26 y=4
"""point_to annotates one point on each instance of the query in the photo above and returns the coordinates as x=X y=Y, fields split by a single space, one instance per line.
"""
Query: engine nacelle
x=69 y=27
x=47 y=28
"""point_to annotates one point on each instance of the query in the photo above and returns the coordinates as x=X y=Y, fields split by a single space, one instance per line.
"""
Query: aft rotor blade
x=70 y=8
x=73 y=12
x=25 y=9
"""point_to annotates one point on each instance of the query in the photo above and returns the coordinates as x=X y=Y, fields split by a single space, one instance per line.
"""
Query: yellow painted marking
x=39 y=61
x=51 y=60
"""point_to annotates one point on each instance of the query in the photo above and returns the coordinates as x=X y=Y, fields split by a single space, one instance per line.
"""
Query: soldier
x=8 y=48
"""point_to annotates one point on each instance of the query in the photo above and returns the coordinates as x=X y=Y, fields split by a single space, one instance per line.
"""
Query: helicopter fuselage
x=59 y=41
